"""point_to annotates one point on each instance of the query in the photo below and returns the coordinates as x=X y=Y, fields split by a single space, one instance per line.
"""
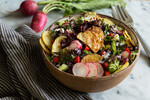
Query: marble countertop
x=137 y=85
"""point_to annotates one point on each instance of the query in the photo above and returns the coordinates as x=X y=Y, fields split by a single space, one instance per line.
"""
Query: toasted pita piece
x=93 y=38
x=97 y=30
x=43 y=46
x=47 y=39
x=92 y=58
x=56 y=47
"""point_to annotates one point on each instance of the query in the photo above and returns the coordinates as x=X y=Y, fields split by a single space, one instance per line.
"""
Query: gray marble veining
x=137 y=85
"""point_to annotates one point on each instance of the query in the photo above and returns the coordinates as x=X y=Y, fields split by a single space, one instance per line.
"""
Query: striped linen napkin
x=23 y=74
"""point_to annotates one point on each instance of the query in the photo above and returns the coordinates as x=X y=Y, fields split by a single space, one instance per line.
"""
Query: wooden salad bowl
x=92 y=84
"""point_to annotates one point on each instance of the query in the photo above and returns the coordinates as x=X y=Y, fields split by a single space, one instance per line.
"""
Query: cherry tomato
x=105 y=64
x=111 y=34
x=55 y=59
x=77 y=59
x=106 y=73
x=127 y=49
x=87 y=48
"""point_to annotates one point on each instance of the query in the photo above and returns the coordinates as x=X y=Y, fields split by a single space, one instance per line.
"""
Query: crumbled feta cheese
x=106 y=55
x=58 y=29
x=108 y=33
x=117 y=43
x=101 y=61
x=62 y=30
x=116 y=37
x=122 y=43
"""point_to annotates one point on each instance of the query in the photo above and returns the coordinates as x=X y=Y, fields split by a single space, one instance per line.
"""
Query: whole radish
x=39 y=21
x=28 y=8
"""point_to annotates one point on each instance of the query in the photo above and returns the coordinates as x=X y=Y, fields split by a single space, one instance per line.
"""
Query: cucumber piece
x=63 y=67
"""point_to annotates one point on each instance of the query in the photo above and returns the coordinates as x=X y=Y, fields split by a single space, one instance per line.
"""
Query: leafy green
x=103 y=20
x=63 y=67
x=65 y=55
x=72 y=57
x=108 y=39
x=108 y=47
x=114 y=66
x=122 y=38
x=136 y=51
x=68 y=27
x=57 y=23
x=113 y=45
x=133 y=55
x=49 y=58
x=119 y=28
x=53 y=33
x=86 y=52
x=117 y=52
x=107 y=29
x=66 y=59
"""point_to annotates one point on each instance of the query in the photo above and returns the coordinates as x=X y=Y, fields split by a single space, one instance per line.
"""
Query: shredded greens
x=114 y=66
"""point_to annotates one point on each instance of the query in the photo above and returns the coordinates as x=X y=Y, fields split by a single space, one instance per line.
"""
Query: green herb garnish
x=57 y=23
x=49 y=58
x=103 y=20
x=86 y=52
x=136 y=51
x=114 y=66
x=122 y=38
x=107 y=38
x=107 y=28
x=113 y=45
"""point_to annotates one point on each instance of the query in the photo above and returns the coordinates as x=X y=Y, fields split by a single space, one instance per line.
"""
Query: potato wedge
x=43 y=46
x=56 y=47
x=47 y=39
x=92 y=58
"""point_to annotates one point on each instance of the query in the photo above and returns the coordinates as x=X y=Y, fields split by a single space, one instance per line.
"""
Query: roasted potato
x=92 y=58
x=47 y=39
x=43 y=46
x=56 y=47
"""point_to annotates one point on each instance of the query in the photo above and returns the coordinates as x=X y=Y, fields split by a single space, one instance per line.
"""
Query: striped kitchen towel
x=23 y=75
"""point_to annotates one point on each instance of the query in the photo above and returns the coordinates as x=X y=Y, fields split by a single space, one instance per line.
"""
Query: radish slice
x=78 y=42
x=75 y=45
x=75 y=41
x=81 y=69
x=125 y=54
x=93 y=70
x=100 y=69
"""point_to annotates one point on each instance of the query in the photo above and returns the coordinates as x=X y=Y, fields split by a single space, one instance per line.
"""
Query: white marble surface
x=137 y=85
